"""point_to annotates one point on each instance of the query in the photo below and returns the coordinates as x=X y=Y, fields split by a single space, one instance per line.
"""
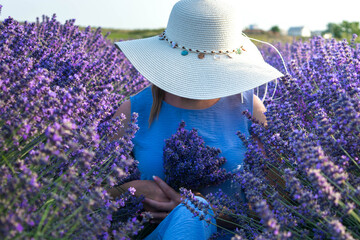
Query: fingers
x=169 y=191
x=157 y=217
x=160 y=206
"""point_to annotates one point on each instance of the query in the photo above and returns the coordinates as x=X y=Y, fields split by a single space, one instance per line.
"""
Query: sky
x=153 y=14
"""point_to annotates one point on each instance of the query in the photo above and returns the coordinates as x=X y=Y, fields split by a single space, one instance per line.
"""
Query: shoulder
x=258 y=110
x=125 y=108
x=137 y=100
x=136 y=103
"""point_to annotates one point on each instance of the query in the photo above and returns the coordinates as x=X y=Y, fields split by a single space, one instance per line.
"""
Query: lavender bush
x=304 y=182
x=59 y=88
x=189 y=163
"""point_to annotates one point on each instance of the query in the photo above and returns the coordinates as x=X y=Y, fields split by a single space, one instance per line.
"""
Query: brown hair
x=158 y=96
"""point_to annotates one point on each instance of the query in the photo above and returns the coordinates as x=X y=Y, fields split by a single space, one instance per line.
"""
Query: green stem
x=53 y=167
x=300 y=177
x=300 y=215
x=332 y=182
x=72 y=229
x=351 y=213
x=50 y=220
x=13 y=133
x=349 y=186
x=44 y=189
x=107 y=162
x=48 y=205
x=355 y=235
x=223 y=228
x=105 y=178
x=102 y=166
x=93 y=169
x=69 y=217
x=31 y=145
x=348 y=220
x=317 y=87
x=247 y=219
x=259 y=227
x=355 y=135
x=9 y=165
x=347 y=154
x=283 y=191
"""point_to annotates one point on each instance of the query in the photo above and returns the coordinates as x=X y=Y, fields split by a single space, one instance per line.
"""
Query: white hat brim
x=194 y=78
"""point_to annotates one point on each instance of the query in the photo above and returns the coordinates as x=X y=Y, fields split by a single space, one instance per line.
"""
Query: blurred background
x=141 y=18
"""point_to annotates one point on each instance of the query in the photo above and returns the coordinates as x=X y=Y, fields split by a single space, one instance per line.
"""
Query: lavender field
x=60 y=87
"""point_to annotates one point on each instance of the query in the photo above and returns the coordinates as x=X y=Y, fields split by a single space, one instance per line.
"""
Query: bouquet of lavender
x=189 y=163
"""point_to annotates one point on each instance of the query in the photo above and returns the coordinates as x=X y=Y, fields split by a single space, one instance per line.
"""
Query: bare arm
x=258 y=110
x=148 y=188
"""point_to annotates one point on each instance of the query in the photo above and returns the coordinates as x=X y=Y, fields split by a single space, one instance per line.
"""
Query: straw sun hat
x=202 y=54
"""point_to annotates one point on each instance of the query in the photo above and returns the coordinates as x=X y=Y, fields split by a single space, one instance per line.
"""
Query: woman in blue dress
x=203 y=71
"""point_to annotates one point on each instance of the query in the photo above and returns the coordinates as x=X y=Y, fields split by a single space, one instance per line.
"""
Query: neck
x=188 y=103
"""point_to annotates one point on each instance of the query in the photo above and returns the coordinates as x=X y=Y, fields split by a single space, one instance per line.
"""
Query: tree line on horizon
x=345 y=29
x=342 y=30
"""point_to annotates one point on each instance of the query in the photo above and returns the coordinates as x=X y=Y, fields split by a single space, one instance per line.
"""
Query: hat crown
x=208 y=25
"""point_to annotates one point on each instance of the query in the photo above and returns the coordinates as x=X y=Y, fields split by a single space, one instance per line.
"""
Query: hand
x=148 y=189
x=162 y=208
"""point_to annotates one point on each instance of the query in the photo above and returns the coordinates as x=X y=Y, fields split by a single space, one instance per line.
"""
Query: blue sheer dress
x=217 y=125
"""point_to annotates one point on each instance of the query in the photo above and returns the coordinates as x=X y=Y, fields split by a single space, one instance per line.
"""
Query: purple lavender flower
x=189 y=163
x=338 y=230
x=324 y=187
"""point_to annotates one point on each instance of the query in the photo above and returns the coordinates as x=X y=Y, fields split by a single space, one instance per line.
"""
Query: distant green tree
x=349 y=28
x=275 y=29
x=334 y=29
x=343 y=30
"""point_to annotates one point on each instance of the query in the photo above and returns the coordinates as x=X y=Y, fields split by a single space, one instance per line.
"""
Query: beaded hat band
x=182 y=61
x=201 y=53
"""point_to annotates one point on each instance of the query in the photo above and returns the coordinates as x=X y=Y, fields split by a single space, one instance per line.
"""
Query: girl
x=203 y=71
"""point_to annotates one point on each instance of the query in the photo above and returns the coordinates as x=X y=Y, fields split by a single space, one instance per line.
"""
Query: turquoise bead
x=184 y=53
